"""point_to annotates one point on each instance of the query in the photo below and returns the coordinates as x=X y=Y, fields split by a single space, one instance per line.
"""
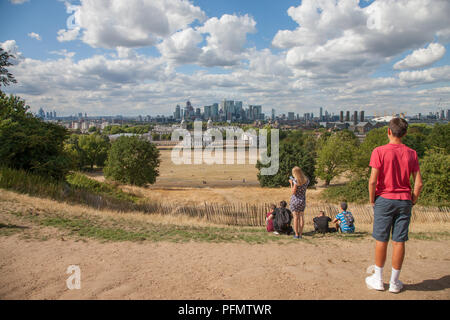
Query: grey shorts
x=391 y=215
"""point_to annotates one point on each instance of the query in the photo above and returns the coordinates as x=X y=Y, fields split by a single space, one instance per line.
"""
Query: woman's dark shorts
x=392 y=215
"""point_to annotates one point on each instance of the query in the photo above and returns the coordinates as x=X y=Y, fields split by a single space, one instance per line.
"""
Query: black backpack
x=282 y=219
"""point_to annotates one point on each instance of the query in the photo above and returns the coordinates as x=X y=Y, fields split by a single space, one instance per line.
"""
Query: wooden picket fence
x=244 y=214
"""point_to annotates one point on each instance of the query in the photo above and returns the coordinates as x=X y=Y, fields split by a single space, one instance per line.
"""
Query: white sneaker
x=374 y=283
x=395 y=287
x=275 y=233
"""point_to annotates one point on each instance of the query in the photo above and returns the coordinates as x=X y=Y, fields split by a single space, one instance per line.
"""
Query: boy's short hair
x=321 y=212
x=273 y=207
x=283 y=203
x=344 y=205
x=398 y=127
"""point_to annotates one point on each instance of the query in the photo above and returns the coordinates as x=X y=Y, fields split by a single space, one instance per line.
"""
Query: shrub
x=435 y=168
x=29 y=143
x=354 y=191
x=132 y=160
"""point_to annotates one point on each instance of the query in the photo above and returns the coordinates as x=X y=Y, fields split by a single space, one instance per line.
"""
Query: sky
x=143 y=57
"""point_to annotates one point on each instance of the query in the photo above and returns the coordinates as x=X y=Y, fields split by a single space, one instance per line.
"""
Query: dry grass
x=14 y=202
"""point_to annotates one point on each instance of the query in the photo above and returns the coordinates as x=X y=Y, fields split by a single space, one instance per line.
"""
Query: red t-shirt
x=396 y=163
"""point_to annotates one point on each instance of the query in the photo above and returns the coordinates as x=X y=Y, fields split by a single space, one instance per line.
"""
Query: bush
x=296 y=149
x=132 y=160
x=28 y=143
x=435 y=168
x=354 y=191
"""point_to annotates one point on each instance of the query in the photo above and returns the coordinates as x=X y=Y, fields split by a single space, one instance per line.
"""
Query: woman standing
x=299 y=182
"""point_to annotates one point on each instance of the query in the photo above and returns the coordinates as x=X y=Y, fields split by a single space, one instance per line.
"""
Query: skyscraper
x=341 y=116
x=355 y=118
x=177 y=113
x=321 y=114
x=347 y=116
x=361 y=116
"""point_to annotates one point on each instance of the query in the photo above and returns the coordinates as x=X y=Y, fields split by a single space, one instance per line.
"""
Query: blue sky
x=145 y=56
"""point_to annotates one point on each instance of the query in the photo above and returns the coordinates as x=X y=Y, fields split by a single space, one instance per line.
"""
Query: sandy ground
x=328 y=269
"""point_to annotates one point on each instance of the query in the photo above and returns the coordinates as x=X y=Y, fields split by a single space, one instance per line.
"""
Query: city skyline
x=292 y=56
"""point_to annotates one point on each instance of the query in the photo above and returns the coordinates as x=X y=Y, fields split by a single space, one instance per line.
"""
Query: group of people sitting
x=278 y=220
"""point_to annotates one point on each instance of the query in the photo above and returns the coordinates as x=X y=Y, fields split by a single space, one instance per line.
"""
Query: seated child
x=269 y=218
x=321 y=223
x=344 y=220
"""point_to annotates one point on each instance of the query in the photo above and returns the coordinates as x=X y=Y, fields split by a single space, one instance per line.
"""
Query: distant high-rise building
x=341 y=116
x=347 y=116
x=177 y=113
x=215 y=111
x=442 y=117
x=273 y=114
x=361 y=116
x=355 y=117
x=321 y=114
x=207 y=112
x=291 y=116
x=448 y=114
x=41 y=113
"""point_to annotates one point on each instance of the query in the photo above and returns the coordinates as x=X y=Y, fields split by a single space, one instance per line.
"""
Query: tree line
x=328 y=155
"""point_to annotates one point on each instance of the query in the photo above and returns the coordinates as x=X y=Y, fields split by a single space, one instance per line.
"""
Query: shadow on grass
x=12 y=226
x=430 y=285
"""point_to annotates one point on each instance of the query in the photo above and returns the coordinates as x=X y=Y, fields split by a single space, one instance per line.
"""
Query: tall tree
x=6 y=77
x=132 y=160
x=94 y=149
x=28 y=143
x=335 y=154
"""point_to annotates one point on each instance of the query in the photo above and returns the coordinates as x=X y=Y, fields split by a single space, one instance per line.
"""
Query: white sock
x=395 y=275
x=378 y=272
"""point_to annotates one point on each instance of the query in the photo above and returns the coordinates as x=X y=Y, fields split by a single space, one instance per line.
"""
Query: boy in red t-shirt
x=392 y=200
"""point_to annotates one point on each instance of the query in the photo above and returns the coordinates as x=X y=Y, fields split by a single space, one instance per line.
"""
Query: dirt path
x=333 y=269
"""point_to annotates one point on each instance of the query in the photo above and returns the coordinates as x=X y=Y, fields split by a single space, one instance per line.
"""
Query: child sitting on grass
x=269 y=218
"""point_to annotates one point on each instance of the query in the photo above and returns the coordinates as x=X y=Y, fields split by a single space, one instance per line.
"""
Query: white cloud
x=68 y=35
x=18 y=1
x=226 y=39
x=225 y=42
x=182 y=47
x=422 y=57
x=11 y=47
x=340 y=39
x=134 y=23
x=35 y=36
x=432 y=75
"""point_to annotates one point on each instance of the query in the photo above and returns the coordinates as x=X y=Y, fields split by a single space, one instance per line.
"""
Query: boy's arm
x=372 y=185
x=418 y=184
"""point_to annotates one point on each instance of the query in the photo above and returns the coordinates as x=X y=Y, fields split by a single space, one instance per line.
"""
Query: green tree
x=28 y=143
x=360 y=162
x=440 y=137
x=416 y=138
x=72 y=149
x=335 y=155
x=94 y=149
x=296 y=149
x=6 y=77
x=435 y=168
x=132 y=160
